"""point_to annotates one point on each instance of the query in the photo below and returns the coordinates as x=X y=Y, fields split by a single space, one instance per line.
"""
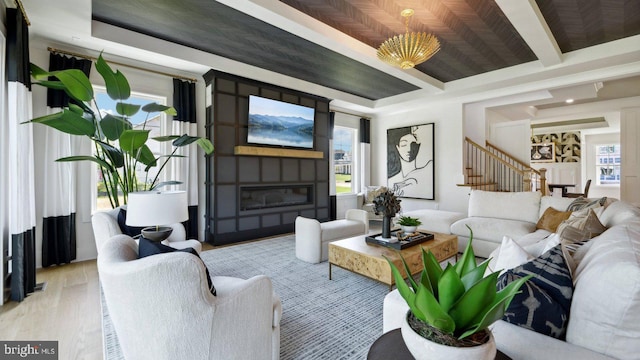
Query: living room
x=478 y=106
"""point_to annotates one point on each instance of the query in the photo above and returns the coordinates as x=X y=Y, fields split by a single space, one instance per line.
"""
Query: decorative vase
x=408 y=229
x=424 y=349
x=386 y=227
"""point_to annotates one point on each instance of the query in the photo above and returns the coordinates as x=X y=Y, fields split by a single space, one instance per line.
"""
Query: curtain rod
x=346 y=113
x=23 y=11
x=58 y=51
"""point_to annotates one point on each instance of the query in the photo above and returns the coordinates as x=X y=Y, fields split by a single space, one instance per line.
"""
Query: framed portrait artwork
x=543 y=153
x=410 y=156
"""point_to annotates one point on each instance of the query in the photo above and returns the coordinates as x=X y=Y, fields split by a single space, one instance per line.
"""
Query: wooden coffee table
x=356 y=255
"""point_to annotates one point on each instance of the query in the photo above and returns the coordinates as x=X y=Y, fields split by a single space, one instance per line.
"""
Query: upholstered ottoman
x=435 y=220
x=313 y=237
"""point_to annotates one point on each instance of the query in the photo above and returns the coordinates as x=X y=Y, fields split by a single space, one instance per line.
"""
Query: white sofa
x=439 y=221
x=493 y=215
x=313 y=237
x=604 y=320
x=105 y=226
x=161 y=307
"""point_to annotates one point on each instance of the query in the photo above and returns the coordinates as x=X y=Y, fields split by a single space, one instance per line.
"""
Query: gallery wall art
x=566 y=146
x=410 y=155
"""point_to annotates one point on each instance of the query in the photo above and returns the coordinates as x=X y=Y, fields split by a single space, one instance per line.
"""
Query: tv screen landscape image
x=279 y=123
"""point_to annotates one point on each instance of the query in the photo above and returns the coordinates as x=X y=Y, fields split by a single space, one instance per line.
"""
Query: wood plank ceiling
x=476 y=36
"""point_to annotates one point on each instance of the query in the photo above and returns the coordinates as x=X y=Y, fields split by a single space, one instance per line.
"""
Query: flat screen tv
x=278 y=123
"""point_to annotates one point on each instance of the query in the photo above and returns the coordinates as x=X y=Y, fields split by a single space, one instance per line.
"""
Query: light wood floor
x=68 y=311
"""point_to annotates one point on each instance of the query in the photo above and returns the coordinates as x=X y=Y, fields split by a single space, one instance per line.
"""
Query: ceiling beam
x=526 y=17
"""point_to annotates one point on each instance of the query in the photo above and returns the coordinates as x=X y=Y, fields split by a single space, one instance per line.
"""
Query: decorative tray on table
x=395 y=243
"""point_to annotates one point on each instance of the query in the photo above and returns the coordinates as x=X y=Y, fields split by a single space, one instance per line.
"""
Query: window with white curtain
x=156 y=122
x=344 y=158
x=607 y=162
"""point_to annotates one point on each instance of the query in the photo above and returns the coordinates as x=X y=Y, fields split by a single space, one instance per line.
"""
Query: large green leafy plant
x=458 y=301
x=118 y=147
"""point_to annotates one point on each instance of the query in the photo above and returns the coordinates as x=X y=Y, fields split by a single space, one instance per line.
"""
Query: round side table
x=391 y=346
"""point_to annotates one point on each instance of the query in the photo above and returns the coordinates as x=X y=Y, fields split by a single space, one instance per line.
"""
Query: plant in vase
x=409 y=224
x=452 y=308
x=119 y=148
x=387 y=205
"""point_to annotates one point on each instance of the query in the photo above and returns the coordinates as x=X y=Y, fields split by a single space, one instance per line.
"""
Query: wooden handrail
x=490 y=154
x=511 y=157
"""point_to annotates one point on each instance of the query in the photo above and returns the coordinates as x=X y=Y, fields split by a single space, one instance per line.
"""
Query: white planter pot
x=423 y=349
x=408 y=229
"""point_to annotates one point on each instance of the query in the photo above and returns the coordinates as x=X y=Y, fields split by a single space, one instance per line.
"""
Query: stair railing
x=494 y=169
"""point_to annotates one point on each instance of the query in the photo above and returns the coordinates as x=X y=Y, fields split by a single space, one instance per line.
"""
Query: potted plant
x=387 y=205
x=451 y=309
x=118 y=148
x=409 y=224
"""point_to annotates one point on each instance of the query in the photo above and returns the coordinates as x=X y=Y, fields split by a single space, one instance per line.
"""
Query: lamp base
x=157 y=233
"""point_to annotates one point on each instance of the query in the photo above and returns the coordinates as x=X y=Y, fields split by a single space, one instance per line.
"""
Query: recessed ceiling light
x=569 y=101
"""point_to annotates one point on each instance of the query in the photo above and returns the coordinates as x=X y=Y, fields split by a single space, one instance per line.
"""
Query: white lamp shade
x=149 y=208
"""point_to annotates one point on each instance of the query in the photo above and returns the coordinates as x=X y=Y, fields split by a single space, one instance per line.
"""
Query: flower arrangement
x=386 y=204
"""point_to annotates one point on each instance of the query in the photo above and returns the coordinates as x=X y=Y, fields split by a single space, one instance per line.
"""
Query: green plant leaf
x=433 y=269
x=497 y=309
x=76 y=83
x=467 y=262
x=76 y=109
x=206 y=145
x=145 y=156
x=405 y=291
x=38 y=73
x=132 y=140
x=407 y=271
x=434 y=314
x=113 y=126
x=165 y=138
x=51 y=84
x=68 y=122
x=475 y=275
x=125 y=109
x=184 y=140
x=450 y=288
x=116 y=83
x=155 y=107
x=114 y=154
x=100 y=162
x=474 y=301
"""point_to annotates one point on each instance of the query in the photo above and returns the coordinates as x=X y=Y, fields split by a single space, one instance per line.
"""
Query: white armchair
x=161 y=307
x=105 y=226
x=365 y=200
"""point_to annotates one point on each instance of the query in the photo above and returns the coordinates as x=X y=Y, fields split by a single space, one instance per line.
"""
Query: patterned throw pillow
x=147 y=247
x=545 y=300
x=574 y=232
x=583 y=203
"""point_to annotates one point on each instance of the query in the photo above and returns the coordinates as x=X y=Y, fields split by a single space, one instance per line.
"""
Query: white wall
x=140 y=81
x=448 y=153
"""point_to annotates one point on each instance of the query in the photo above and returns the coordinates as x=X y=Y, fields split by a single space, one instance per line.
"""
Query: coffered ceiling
x=331 y=44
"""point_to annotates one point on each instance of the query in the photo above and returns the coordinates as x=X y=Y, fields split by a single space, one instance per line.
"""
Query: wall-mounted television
x=279 y=123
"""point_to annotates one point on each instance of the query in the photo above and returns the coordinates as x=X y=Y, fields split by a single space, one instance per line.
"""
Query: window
x=344 y=143
x=156 y=122
x=608 y=164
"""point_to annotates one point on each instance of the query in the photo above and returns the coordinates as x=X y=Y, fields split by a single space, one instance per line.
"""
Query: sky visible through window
x=108 y=105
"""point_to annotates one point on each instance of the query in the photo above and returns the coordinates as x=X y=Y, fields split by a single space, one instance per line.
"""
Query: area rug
x=322 y=318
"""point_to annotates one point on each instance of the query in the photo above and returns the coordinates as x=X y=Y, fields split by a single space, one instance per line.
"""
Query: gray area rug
x=322 y=318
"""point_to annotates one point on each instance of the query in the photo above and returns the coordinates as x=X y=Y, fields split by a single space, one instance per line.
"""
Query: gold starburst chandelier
x=409 y=49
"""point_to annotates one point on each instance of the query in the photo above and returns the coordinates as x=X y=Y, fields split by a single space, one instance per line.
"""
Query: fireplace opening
x=263 y=197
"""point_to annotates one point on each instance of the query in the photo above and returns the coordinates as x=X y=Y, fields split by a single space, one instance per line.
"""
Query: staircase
x=492 y=169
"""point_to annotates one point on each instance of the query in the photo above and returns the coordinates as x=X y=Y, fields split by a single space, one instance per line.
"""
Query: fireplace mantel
x=277 y=152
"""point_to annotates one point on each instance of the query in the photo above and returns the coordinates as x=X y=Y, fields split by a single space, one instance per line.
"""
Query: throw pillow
x=583 y=203
x=544 y=301
x=132 y=231
x=510 y=255
x=147 y=247
x=574 y=232
x=551 y=218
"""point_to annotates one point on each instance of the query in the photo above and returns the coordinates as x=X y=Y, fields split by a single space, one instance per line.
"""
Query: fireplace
x=271 y=196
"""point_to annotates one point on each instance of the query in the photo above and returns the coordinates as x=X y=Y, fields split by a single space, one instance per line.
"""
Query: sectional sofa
x=604 y=317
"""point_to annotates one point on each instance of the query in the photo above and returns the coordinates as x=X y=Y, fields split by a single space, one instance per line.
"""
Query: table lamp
x=156 y=210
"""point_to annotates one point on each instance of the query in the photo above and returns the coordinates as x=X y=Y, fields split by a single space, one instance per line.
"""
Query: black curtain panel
x=19 y=164
x=186 y=169
x=365 y=153
x=59 y=98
